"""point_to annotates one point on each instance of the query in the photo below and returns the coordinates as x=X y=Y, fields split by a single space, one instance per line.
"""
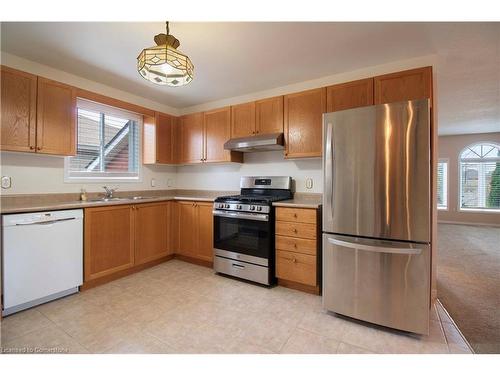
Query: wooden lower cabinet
x=109 y=240
x=298 y=248
x=119 y=238
x=195 y=230
x=151 y=232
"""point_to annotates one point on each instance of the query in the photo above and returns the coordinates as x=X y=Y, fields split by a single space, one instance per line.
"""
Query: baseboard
x=118 y=275
x=199 y=262
x=468 y=223
x=298 y=286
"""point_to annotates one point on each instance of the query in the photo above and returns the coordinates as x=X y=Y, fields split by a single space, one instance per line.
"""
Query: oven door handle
x=241 y=215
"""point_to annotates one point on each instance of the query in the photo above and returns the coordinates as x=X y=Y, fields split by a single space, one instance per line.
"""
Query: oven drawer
x=244 y=270
x=300 y=268
x=297 y=245
x=299 y=215
x=300 y=230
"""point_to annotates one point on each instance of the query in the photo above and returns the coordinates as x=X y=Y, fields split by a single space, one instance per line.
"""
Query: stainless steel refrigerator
x=376 y=214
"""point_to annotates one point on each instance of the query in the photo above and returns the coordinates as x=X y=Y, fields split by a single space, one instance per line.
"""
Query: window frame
x=446 y=184
x=459 y=200
x=107 y=177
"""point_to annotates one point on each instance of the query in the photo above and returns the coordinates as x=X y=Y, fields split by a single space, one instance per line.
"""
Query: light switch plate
x=309 y=183
x=153 y=182
x=6 y=182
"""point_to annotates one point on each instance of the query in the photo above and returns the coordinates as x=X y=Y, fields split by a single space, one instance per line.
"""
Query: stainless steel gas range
x=244 y=228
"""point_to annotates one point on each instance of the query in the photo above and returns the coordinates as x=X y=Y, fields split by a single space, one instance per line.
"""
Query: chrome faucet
x=109 y=192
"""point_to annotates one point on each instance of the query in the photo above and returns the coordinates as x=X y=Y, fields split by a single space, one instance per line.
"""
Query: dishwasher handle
x=46 y=222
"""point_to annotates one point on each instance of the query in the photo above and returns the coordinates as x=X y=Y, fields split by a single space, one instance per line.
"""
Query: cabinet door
x=18 y=110
x=56 y=118
x=176 y=139
x=349 y=95
x=164 y=139
x=192 y=138
x=151 y=231
x=188 y=228
x=205 y=231
x=109 y=240
x=243 y=120
x=269 y=115
x=303 y=114
x=217 y=132
x=406 y=85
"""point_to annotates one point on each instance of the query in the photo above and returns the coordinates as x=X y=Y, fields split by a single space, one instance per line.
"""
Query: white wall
x=39 y=174
x=271 y=163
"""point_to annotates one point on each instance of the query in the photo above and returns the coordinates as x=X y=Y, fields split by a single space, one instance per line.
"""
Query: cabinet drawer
x=297 y=245
x=300 y=268
x=297 y=215
x=300 y=230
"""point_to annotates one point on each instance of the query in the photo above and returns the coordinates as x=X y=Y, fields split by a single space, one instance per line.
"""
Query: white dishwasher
x=42 y=257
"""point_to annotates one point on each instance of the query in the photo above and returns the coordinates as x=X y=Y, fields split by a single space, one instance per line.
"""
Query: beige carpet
x=469 y=282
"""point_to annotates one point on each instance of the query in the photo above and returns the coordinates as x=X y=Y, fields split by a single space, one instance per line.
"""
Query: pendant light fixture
x=163 y=64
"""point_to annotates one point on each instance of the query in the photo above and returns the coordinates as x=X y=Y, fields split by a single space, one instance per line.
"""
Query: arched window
x=480 y=177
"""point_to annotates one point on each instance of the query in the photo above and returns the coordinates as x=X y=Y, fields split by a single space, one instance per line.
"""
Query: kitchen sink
x=107 y=199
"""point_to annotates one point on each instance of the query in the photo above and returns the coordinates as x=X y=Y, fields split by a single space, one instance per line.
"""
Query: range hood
x=261 y=142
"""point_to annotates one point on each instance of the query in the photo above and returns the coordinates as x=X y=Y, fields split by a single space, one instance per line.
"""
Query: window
x=442 y=182
x=107 y=144
x=480 y=177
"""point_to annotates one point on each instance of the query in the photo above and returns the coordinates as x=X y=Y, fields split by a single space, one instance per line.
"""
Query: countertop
x=50 y=202
x=302 y=200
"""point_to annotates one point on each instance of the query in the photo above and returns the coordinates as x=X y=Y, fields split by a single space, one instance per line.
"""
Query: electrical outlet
x=170 y=182
x=309 y=183
x=153 y=182
x=6 y=182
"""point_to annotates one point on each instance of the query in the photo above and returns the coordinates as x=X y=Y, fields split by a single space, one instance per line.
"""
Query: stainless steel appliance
x=376 y=214
x=244 y=228
x=261 y=142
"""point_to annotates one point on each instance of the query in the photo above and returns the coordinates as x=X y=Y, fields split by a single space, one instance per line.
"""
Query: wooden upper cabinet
x=191 y=138
x=158 y=139
x=269 y=115
x=18 y=110
x=205 y=222
x=109 y=240
x=243 y=120
x=349 y=95
x=217 y=131
x=56 y=118
x=151 y=231
x=407 y=85
x=303 y=120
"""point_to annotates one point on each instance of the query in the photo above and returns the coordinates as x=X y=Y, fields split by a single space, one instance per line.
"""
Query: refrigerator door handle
x=377 y=249
x=329 y=171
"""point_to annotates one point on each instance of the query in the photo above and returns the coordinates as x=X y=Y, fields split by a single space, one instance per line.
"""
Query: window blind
x=107 y=143
x=480 y=177
x=442 y=185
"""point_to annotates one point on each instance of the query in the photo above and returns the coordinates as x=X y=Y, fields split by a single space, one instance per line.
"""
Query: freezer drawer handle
x=377 y=249
x=47 y=222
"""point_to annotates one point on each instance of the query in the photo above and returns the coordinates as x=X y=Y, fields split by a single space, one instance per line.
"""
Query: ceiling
x=233 y=59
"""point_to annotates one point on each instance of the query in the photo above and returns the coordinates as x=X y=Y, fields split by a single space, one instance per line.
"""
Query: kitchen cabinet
x=56 y=118
x=269 y=115
x=406 y=85
x=217 y=130
x=18 y=110
x=192 y=139
x=349 y=95
x=151 y=231
x=159 y=138
x=109 y=239
x=298 y=248
x=243 y=120
x=303 y=122
x=38 y=114
x=195 y=226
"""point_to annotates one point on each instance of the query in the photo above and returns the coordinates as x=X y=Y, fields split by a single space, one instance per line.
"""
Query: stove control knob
x=252 y=208
x=259 y=208
x=238 y=206
x=227 y=206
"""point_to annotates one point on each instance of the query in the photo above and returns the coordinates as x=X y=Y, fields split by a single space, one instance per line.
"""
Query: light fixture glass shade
x=164 y=65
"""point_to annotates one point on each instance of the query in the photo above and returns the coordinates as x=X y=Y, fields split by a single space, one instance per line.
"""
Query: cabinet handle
x=39 y=148
x=295 y=215
x=201 y=159
x=295 y=245
x=294 y=230
x=32 y=147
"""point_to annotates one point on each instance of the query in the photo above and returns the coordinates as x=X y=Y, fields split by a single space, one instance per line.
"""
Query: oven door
x=247 y=234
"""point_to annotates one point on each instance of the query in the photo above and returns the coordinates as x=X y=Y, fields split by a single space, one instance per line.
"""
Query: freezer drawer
x=382 y=282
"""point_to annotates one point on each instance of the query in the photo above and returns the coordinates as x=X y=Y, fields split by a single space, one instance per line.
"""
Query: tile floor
x=179 y=307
